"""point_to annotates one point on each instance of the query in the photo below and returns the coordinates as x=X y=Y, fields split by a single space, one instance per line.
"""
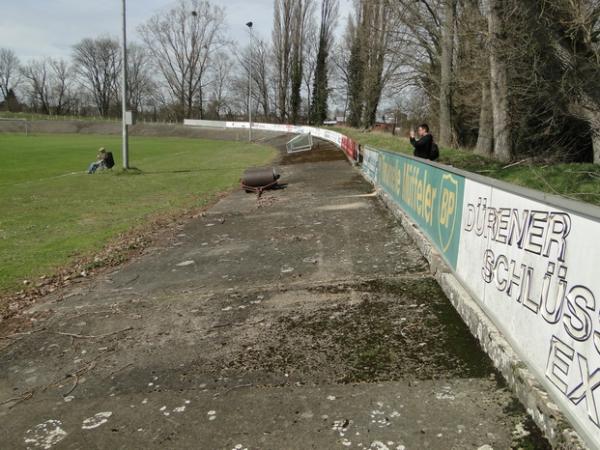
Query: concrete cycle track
x=304 y=320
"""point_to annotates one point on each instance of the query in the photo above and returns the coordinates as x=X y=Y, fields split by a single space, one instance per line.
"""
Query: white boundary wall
x=534 y=268
x=345 y=143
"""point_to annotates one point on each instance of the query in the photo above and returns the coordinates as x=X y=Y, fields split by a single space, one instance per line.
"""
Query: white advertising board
x=370 y=164
x=535 y=270
x=328 y=135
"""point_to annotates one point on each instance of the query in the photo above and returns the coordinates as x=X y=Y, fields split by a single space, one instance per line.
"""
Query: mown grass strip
x=51 y=211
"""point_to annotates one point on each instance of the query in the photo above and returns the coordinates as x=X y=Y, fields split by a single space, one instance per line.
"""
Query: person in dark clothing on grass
x=424 y=143
x=100 y=162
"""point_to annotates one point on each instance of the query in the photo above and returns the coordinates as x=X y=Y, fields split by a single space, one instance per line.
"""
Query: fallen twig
x=84 y=336
x=515 y=163
x=25 y=396
x=585 y=172
x=594 y=194
x=78 y=374
x=220 y=326
x=75 y=384
x=122 y=368
x=104 y=311
x=22 y=334
x=231 y=389
x=543 y=180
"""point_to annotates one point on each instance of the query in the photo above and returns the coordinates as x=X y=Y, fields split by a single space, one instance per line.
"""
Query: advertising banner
x=432 y=197
x=534 y=270
x=350 y=147
x=370 y=164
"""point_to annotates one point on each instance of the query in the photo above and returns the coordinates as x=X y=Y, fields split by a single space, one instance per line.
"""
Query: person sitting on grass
x=100 y=162
x=424 y=144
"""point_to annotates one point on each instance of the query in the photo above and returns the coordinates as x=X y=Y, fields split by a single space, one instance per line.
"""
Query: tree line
x=508 y=78
x=184 y=66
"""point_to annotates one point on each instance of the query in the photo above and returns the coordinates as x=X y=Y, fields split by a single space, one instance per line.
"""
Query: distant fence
x=349 y=146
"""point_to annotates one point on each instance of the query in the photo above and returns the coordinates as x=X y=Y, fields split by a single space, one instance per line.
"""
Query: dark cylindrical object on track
x=260 y=177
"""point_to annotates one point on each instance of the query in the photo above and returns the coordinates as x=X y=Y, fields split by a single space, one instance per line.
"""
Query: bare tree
x=282 y=48
x=341 y=64
x=311 y=44
x=47 y=83
x=260 y=75
x=329 y=10
x=61 y=76
x=140 y=83
x=303 y=12
x=98 y=63
x=377 y=23
x=182 y=41
x=367 y=72
x=221 y=75
x=499 y=82
x=446 y=73
x=356 y=72
x=9 y=72
x=485 y=135
x=37 y=84
x=574 y=27
x=416 y=46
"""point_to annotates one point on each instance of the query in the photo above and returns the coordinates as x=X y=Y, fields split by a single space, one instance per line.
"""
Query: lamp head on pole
x=249 y=24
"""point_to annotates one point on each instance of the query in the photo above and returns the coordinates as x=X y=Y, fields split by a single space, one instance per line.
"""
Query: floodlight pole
x=249 y=25
x=125 y=141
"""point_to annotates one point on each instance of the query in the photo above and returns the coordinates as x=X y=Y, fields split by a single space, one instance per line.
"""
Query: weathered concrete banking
x=519 y=267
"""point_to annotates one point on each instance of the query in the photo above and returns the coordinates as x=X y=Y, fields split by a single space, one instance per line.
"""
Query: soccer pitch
x=51 y=210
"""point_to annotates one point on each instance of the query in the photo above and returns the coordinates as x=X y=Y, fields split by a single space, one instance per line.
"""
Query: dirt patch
x=322 y=151
x=371 y=332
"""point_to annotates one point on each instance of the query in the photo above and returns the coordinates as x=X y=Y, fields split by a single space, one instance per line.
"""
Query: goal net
x=300 y=143
x=10 y=125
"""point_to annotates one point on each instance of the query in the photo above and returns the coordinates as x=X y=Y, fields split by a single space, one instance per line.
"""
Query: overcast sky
x=39 y=28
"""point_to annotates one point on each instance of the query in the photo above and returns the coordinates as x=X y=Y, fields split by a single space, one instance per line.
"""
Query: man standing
x=424 y=143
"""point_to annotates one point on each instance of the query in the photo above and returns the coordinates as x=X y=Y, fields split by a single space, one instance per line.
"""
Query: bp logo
x=448 y=212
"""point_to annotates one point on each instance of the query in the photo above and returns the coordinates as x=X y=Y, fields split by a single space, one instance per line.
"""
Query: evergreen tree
x=296 y=83
x=320 y=90
x=355 y=83
x=320 y=96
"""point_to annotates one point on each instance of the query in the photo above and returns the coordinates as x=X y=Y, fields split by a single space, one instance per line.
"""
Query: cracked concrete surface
x=307 y=319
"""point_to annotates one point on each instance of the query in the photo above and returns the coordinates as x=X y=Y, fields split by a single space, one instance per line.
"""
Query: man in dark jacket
x=423 y=144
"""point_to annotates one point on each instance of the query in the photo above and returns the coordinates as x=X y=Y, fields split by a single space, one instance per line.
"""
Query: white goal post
x=300 y=143
x=14 y=125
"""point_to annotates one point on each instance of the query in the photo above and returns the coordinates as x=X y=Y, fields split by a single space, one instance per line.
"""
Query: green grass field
x=52 y=211
x=575 y=181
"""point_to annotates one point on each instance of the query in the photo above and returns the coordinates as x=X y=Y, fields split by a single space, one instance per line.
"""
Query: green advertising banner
x=432 y=197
